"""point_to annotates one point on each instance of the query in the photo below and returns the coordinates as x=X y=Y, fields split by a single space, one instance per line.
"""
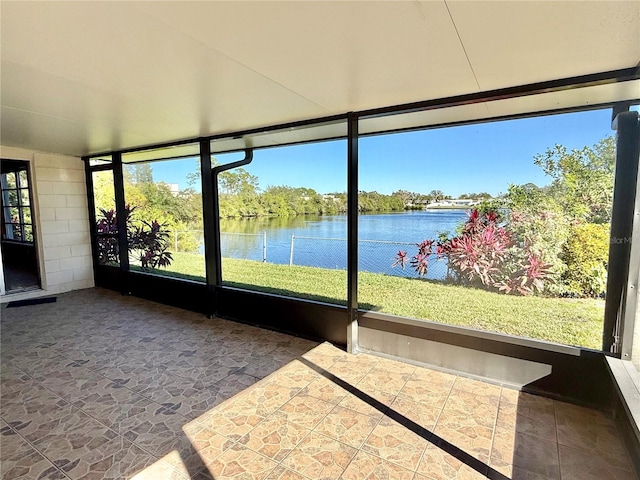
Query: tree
x=582 y=179
x=138 y=173
x=238 y=182
x=437 y=195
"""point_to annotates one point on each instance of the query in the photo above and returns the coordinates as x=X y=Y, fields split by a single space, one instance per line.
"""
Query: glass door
x=19 y=259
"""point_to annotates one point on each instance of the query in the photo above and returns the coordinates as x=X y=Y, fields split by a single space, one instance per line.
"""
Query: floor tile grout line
x=555 y=423
x=414 y=471
x=495 y=426
x=42 y=454
x=58 y=352
x=360 y=449
x=435 y=425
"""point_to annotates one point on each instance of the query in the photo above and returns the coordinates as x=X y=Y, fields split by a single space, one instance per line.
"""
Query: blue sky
x=472 y=158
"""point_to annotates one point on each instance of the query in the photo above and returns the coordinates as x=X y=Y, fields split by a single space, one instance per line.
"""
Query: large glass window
x=283 y=221
x=500 y=226
x=164 y=214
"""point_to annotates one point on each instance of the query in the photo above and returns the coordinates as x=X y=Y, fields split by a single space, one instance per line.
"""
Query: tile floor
x=101 y=386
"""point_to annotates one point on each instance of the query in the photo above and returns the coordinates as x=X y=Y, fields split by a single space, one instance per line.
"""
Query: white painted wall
x=62 y=221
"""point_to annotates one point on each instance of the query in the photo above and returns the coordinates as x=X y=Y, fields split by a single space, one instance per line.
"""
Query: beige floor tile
x=194 y=400
x=424 y=414
x=527 y=420
x=136 y=367
x=114 y=460
x=529 y=453
x=267 y=396
x=324 y=355
x=578 y=464
x=351 y=372
x=396 y=367
x=305 y=410
x=466 y=433
x=482 y=409
x=18 y=460
x=477 y=387
x=162 y=470
x=395 y=443
x=281 y=473
x=379 y=380
x=200 y=446
x=261 y=366
x=347 y=426
x=320 y=457
x=294 y=374
x=232 y=419
x=366 y=406
x=433 y=376
x=437 y=464
x=325 y=389
x=424 y=391
x=69 y=436
x=363 y=361
x=239 y=462
x=275 y=437
x=117 y=407
x=600 y=437
x=365 y=466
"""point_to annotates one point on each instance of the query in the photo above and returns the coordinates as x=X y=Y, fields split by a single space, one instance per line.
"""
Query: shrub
x=585 y=255
x=543 y=232
x=484 y=254
x=148 y=241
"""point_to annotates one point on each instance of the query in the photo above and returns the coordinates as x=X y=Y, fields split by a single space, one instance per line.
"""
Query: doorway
x=18 y=244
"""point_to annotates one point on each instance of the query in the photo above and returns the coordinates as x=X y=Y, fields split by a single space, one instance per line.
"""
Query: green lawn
x=565 y=321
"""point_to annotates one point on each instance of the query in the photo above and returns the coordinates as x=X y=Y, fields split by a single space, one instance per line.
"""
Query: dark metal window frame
x=214 y=288
x=19 y=188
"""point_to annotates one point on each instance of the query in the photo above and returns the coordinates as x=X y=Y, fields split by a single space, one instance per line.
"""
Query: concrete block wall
x=62 y=221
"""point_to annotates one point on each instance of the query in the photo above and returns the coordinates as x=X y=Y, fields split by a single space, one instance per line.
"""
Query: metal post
x=352 y=232
x=92 y=218
x=293 y=237
x=211 y=240
x=624 y=204
x=264 y=247
x=123 y=242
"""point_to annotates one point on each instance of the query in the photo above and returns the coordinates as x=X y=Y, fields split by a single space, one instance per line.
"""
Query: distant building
x=174 y=188
x=454 y=203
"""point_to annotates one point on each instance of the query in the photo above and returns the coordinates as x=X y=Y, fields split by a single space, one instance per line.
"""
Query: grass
x=560 y=320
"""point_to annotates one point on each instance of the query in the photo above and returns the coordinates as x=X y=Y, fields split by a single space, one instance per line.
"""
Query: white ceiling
x=85 y=77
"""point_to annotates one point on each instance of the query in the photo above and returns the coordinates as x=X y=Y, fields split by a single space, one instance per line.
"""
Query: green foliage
x=138 y=173
x=580 y=194
x=543 y=233
x=585 y=255
x=147 y=241
x=378 y=202
x=582 y=179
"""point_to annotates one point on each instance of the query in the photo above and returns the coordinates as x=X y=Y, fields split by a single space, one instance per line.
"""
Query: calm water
x=320 y=241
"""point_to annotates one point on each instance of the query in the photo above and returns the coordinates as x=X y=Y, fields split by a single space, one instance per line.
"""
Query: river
x=320 y=241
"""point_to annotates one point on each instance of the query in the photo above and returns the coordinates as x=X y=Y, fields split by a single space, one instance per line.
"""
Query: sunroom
x=414 y=212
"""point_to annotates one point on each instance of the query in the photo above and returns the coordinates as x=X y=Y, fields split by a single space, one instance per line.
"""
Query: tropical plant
x=147 y=241
x=485 y=254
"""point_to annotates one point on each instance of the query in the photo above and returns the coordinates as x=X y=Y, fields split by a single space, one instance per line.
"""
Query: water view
x=320 y=241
